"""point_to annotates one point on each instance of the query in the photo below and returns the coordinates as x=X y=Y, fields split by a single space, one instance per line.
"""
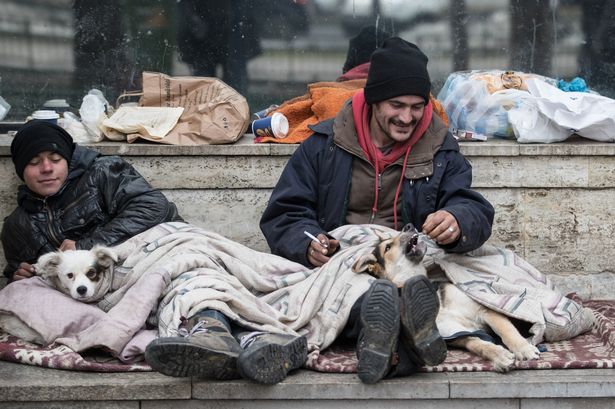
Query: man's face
x=45 y=173
x=394 y=119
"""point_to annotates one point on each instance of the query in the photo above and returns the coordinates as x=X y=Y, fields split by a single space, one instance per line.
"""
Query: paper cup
x=46 y=115
x=275 y=126
x=262 y=114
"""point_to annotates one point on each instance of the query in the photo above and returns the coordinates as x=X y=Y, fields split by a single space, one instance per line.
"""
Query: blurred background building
x=270 y=49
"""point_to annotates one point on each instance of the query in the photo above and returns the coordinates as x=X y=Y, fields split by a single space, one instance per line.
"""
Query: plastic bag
x=474 y=102
x=93 y=112
x=589 y=115
x=4 y=108
x=529 y=124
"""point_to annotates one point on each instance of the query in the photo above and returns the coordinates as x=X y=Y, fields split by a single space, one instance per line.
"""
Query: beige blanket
x=175 y=270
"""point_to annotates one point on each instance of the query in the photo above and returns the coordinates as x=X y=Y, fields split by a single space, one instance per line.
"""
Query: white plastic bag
x=528 y=122
x=589 y=115
x=4 y=108
x=93 y=113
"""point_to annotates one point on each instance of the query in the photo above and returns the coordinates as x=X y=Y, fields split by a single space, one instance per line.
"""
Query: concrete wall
x=553 y=202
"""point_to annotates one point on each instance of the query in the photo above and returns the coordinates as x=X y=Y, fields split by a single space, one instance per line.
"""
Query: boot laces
x=199 y=327
x=249 y=339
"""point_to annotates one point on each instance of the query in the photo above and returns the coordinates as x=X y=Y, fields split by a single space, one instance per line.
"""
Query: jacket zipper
x=52 y=235
x=378 y=189
x=76 y=201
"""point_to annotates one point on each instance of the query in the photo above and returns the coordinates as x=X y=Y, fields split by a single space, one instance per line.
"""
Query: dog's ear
x=105 y=255
x=47 y=264
x=367 y=263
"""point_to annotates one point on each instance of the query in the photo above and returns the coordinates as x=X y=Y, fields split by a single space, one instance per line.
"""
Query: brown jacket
x=363 y=182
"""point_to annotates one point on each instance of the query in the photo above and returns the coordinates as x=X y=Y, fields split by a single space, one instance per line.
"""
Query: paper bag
x=214 y=113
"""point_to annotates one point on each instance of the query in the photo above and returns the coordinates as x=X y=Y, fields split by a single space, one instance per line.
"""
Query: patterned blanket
x=177 y=269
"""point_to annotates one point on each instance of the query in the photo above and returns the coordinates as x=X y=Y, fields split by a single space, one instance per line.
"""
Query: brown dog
x=400 y=257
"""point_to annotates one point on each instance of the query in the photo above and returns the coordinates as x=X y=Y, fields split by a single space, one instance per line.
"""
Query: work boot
x=204 y=349
x=379 y=331
x=268 y=357
x=420 y=335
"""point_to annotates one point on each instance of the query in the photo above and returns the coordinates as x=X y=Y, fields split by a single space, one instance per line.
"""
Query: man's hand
x=24 y=270
x=67 y=245
x=319 y=253
x=442 y=227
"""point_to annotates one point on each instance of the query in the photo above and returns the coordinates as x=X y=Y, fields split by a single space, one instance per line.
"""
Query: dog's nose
x=409 y=228
x=82 y=289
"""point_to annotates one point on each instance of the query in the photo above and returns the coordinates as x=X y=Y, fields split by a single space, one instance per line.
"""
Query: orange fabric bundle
x=323 y=101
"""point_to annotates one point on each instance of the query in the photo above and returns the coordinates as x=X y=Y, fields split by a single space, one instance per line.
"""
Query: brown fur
x=400 y=257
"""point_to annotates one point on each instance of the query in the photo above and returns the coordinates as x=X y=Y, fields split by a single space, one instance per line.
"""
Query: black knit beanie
x=37 y=136
x=397 y=68
x=361 y=46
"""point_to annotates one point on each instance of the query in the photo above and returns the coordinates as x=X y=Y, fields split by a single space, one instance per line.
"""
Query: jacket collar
x=420 y=160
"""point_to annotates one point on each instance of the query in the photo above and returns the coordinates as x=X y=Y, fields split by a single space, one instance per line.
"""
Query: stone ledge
x=575 y=146
x=23 y=383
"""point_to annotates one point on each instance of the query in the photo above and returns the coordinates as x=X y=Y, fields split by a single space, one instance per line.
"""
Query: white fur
x=72 y=271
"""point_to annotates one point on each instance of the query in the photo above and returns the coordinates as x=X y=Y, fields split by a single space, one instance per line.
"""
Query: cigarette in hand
x=314 y=238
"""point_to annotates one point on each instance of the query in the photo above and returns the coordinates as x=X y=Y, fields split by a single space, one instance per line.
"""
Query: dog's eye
x=91 y=274
x=70 y=275
x=387 y=248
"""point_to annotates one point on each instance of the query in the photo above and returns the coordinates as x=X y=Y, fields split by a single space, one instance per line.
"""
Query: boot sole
x=419 y=309
x=270 y=363
x=380 y=321
x=179 y=358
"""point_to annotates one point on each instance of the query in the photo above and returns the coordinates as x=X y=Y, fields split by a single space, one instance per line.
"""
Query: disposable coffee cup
x=262 y=114
x=46 y=115
x=275 y=126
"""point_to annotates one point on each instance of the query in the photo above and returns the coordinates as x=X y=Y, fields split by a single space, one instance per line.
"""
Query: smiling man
x=73 y=198
x=384 y=159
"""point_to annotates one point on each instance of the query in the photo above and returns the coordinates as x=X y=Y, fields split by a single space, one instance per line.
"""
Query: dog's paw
x=526 y=352
x=504 y=360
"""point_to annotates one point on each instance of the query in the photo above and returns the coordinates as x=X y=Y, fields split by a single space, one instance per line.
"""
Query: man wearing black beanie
x=73 y=198
x=384 y=159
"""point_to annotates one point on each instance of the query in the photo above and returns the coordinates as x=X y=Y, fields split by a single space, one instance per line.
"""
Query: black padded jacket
x=103 y=201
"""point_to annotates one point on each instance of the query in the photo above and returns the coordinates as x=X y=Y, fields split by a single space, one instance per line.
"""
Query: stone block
x=309 y=385
x=23 y=383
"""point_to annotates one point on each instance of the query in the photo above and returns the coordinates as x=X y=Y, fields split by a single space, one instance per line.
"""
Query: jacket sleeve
x=473 y=212
x=20 y=243
x=133 y=206
x=293 y=205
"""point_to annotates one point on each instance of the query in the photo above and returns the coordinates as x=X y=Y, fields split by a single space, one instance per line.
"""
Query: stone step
x=26 y=387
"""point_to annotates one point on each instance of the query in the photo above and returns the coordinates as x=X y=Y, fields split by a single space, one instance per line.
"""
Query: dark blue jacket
x=313 y=189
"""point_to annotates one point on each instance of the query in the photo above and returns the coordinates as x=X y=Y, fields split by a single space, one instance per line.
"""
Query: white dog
x=85 y=275
x=398 y=258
